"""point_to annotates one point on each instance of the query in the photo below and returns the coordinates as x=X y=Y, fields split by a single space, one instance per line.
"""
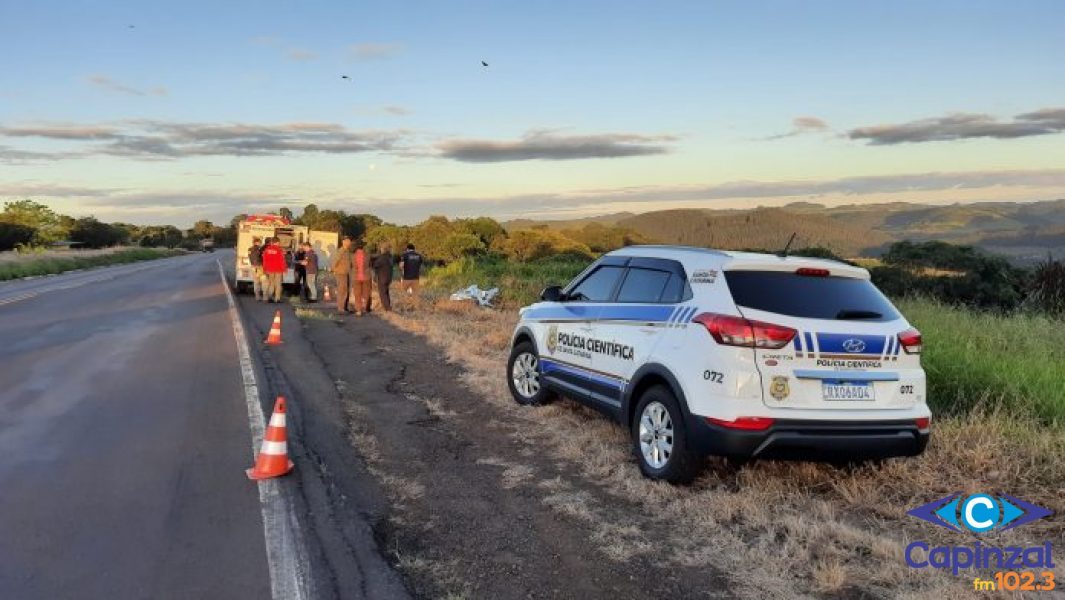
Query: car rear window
x=784 y=293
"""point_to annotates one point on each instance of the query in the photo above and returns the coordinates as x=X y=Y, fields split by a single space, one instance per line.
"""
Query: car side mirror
x=552 y=294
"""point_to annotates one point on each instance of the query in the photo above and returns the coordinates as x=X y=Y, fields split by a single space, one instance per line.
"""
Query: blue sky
x=212 y=109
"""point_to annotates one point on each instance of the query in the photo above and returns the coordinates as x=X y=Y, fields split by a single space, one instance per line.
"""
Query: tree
x=458 y=245
x=429 y=236
x=12 y=235
x=94 y=234
x=309 y=217
x=202 y=229
x=285 y=212
x=356 y=226
x=394 y=235
x=531 y=244
x=487 y=229
x=46 y=224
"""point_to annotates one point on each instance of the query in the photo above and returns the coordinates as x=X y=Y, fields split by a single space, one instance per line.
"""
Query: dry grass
x=783 y=529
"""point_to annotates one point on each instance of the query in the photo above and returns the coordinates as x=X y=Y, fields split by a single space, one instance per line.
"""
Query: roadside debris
x=483 y=297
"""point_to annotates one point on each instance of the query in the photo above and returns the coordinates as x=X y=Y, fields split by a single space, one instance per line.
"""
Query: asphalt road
x=123 y=438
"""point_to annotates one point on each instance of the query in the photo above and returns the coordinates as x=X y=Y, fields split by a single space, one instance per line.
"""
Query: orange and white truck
x=291 y=236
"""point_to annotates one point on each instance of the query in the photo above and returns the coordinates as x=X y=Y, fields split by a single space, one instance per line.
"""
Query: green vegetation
x=979 y=360
x=520 y=283
x=30 y=266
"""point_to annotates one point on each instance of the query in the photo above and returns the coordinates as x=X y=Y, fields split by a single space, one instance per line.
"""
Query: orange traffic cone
x=273 y=457
x=274 y=337
x=326 y=296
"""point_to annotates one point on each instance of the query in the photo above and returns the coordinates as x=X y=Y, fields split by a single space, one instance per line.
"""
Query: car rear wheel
x=523 y=376
x=660 y=440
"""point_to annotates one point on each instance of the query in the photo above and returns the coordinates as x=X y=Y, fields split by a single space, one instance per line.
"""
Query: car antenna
x=784 y=252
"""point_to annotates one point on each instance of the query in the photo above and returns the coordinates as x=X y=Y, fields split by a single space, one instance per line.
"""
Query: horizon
x=589 y=109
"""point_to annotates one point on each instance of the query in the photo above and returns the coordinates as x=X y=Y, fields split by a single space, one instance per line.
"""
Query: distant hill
x=1024 y=231
x=767 y=228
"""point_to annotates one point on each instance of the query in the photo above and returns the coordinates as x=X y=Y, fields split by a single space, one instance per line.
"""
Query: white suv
x=736 y=354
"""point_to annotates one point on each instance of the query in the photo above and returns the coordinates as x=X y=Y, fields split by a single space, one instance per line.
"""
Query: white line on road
x=285 y=551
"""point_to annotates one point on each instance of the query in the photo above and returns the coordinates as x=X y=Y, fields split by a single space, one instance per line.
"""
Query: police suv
x=735 y=354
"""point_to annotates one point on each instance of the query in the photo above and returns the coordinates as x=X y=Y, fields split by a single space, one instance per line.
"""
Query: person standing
x=410 y=266
x=342 y=263
x=382 y=270
x=274 y=266
x=298 y=269
x=255 y=258
x=361 y=270
x=310 y=271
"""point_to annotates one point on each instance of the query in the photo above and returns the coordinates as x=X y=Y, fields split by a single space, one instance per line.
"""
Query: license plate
x=847 y=391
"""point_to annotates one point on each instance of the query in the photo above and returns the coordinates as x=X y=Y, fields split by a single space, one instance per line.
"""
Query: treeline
x=30 y=224
x=443 y=240
x=969 y=276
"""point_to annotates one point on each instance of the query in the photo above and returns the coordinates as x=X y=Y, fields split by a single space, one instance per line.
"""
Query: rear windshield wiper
x=848 y=313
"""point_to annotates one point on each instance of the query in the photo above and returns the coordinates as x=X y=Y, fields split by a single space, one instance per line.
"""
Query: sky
x=169 y=112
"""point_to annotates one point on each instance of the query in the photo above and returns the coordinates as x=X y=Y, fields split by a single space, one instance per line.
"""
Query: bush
x=1048 y=287
x=534 y=244
x=520 y=283
x=13 y=235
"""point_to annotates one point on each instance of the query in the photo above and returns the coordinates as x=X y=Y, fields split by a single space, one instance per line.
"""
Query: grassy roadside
x=32 y=265
x=789 y=529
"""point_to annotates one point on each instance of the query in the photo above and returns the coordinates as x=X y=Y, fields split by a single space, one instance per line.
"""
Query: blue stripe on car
x=838 y=343
x=548 y=366
x=809 y=342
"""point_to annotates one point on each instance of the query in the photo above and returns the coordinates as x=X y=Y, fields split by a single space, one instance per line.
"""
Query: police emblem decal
x=552 y=339
x=779 y=388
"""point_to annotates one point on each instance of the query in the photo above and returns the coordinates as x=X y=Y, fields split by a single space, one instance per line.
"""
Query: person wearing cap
x=255 y=258
x=342 y=271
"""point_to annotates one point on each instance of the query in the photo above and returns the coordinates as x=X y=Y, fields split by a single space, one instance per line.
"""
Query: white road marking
x=286 y=554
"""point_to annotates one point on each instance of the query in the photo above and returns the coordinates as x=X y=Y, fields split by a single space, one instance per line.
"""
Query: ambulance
x=324 y=243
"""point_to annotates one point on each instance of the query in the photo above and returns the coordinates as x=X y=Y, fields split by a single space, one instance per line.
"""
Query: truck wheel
x=660 y=439
x=523 y=376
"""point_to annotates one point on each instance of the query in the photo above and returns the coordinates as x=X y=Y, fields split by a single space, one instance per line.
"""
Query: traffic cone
x=326 y=296
x=274 y=337
x=273 y=457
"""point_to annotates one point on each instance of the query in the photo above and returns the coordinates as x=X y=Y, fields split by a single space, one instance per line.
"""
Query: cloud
x=546 y=145
x=801 y=125
x=961 y=126
x=301 y=55
x=148 y=139
x=396 y=110
x=106 y=83
x=186 y=205
x=373 y=51
x=32 y=188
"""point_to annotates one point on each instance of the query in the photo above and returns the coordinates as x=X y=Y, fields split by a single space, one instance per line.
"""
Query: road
x=124 y=434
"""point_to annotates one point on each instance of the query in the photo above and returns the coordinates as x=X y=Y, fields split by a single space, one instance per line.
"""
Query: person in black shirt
x=410 y=265
x=382 y=269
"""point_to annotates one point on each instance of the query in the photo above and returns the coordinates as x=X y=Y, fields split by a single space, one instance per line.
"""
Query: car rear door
x=629 y=328
x=845 y=353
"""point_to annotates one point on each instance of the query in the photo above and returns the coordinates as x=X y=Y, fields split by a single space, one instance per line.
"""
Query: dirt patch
x=480 y=507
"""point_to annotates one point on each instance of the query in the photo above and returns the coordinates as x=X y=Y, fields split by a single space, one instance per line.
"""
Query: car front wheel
x=660 y=439
x=523 y=376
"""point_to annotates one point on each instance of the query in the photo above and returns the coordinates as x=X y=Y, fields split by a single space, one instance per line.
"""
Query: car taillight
x=911 y=341
x=737 y=331
x=811 y=272
x=923 y=423
x=743 y=423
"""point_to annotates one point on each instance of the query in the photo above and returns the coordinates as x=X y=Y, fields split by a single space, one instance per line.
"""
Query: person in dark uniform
x=382 y=270
x=299 y=270
x=410 y=266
